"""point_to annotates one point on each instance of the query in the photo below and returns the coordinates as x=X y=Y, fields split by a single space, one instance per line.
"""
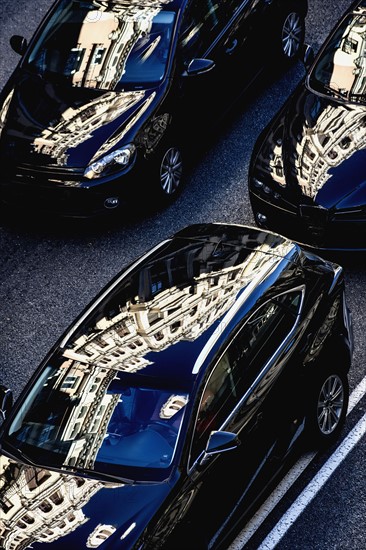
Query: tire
x=168 y=174
x=291 y=37
x=327 y=408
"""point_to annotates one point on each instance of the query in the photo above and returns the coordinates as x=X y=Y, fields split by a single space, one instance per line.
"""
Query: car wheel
x=327 y=408
x=292 y=36
x=169 y=171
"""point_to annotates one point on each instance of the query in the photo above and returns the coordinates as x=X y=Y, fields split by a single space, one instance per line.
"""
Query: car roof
x=162 y=318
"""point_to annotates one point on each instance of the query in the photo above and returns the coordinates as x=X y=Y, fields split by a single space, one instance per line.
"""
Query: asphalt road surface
x=50 y=271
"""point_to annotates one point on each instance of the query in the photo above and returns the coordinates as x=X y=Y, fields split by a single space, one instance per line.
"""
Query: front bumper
x=62 y=194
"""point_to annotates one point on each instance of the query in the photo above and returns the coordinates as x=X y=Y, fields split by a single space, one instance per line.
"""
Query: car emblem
x=315 y=214
x=111 y=202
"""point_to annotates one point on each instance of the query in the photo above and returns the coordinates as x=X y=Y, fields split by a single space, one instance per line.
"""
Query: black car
x=307 y=172
x=197 y=372
x=110 y=98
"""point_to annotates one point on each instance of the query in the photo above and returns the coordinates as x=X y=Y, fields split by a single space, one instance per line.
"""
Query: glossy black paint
x=307 y=173
x=169 y=389
x=60 y=117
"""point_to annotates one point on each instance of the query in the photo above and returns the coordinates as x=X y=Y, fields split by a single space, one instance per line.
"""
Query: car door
x=224 y=474
x=210 y=477
x=219 y=32
x=267 y=361
x=244 y=394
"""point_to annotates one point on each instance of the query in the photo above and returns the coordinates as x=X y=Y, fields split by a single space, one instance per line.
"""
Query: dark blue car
x=307 y=171
x=197 y=372
x=110 y=99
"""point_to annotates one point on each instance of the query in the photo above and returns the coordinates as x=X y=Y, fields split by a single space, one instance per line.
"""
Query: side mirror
x=199 y=66
x=18 y=43
x=6 y=401
x=308 y=56
x=219 y=442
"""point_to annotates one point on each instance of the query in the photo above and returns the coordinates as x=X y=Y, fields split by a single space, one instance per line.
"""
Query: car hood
x=322 y=149
x=61 y=511
x=48 y=122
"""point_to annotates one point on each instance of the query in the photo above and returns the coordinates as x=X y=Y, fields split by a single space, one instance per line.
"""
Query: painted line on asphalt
x=314 y=486
x=285 y=484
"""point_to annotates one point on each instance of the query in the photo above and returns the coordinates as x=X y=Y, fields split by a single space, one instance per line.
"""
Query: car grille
x=27 y=173
x=32 y=190
x=314 y=214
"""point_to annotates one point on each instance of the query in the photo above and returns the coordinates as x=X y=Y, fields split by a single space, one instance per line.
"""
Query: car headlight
x=111 y=162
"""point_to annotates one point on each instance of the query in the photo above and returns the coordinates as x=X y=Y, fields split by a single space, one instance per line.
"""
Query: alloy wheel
x=331 y=402
x=171 y=169
x=292 y=35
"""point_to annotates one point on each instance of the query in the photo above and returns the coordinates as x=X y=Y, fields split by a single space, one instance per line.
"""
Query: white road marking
x=315 y=485
x=285 y=484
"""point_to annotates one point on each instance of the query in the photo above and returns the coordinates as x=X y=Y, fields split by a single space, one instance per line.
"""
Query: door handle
x=259 y=417
x=229 y=50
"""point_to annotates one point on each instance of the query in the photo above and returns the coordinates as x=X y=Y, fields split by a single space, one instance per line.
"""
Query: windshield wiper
x=99 y=475
x=17 y=454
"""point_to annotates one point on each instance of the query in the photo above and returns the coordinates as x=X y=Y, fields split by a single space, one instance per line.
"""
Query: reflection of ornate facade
x=349 y=59
x=98 y=61
x=321 y=147
x=39 y=505
x=99 y=535
x=325 y=146
x=122 y=342
x=79 y=124
x=102 y=63
x=87 y=423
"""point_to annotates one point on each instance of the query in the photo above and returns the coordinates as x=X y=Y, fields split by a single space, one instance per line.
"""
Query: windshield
x=90 y=45
x=341 y=69
x=86 y=417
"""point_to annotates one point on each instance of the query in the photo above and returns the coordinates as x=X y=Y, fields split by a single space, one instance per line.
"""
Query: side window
x=270 y=325
x=218 y=400
x=238 y=367
x=203 y=21
x=261 y=336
